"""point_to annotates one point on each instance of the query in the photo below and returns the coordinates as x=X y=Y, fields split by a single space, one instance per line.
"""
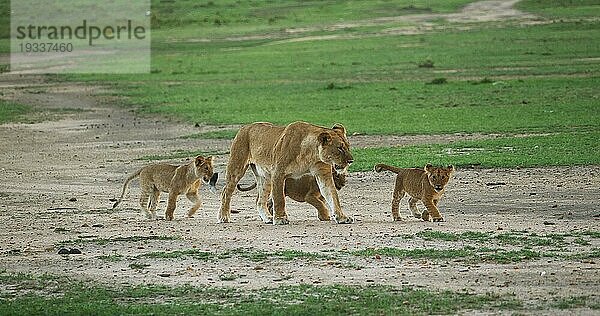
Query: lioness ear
x=324 y=138
x=199 y=161
x=339 y=127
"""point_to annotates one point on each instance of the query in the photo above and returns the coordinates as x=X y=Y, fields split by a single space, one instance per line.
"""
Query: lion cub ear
x=450 y=168
x=339 y=127
x=428 y=167
x=324 y=138
x=199 y=161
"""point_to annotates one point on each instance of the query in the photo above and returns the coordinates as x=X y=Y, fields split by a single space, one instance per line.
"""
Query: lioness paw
x=280 y=221
x=223 y=219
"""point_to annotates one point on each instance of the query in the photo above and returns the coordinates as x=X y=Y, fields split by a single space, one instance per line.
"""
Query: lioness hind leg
x=264 y=204
x=278 y=196
x=235 y=172
x=412 y=204
x=194 y=198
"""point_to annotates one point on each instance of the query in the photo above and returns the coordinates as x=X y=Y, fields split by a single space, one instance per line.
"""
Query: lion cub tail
x=248 y=188
x=131 y=177
x=383 y=167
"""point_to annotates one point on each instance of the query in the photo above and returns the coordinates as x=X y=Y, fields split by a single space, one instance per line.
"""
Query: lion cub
x=305 y=189
x=426 y=184
x=174 y=180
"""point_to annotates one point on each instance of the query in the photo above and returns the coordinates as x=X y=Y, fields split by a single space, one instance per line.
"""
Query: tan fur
x=284 y=152
x=306 y=189
x=175 y=180
x=427 y=185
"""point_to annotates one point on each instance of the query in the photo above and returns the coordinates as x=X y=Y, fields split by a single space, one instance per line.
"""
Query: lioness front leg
x=278 y=195
x=329 y=192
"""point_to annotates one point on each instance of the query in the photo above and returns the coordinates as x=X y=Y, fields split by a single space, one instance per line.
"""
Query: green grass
x=190 y=253
x=561 y=149
x=514 y=238
x=420 y=253
x=498 y=78
x=10 y=112
x=106 y=241
x=220 y=134
x=576 y=302
x=246 y=253
x=218 y=19
x=50 y=295
x=561 y=8
x=181 y=153
x=537 y=85
x=468 y=254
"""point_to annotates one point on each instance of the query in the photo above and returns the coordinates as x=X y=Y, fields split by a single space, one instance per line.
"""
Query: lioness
x=304 y=189
x=426 y=184
x=284 y=152
x=174 y=180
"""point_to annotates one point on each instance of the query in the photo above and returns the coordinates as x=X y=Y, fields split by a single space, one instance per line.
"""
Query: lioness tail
x=131 y=177
x=382 y=167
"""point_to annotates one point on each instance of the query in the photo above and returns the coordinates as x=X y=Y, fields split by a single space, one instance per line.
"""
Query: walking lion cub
x=304 y=189
x=175 y=180
x=427 y=185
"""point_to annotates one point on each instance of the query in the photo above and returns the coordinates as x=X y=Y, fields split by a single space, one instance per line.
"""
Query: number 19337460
x=48 y=47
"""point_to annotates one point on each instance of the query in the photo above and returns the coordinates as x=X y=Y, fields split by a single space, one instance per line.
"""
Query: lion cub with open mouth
x=175 y=180
x=427 y=185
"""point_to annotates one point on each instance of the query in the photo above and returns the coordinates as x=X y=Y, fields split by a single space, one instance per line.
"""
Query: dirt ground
x=58 y=177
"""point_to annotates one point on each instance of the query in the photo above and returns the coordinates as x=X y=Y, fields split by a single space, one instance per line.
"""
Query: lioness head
x=438 y=176
x=334 y=148
x=204 y=168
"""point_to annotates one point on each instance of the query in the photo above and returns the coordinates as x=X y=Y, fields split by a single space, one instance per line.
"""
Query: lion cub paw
x=398 y=219
x=280 y=221
x=224 y=219
x=344 y=220
x=438 y=219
